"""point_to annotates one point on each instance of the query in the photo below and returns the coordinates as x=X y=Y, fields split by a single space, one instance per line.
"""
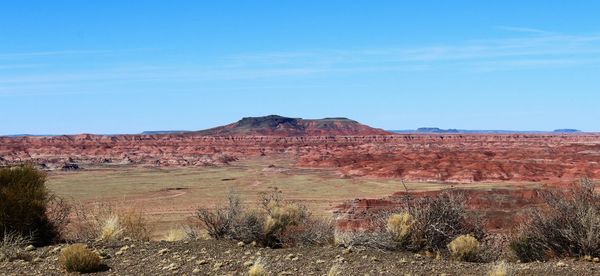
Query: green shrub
x=79 y=258
x=23 y=204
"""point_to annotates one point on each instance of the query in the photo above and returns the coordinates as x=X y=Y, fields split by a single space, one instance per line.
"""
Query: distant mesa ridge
x=275 y=125
x=482 y=131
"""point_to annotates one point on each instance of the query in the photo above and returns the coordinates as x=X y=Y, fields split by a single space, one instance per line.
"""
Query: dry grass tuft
x=500 y=269
x=106 y=222
x=257 y=269
x=111 y=229
x=464 y=248
x=79 y=258
x=175 y=234
x=400 y=225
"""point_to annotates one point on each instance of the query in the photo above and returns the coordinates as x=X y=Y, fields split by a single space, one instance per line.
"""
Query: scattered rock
x=202 y=262
x=29 y=248
x=163 y=251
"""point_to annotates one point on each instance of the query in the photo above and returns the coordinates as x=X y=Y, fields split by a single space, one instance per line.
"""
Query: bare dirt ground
x=212 y=257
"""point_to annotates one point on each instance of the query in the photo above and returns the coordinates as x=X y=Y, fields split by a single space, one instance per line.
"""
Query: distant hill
x=154 y=132
x=567 y=130
x=481 y=131
x=274 y=125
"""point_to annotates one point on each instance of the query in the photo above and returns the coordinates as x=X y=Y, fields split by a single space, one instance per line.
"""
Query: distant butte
x=275 y=125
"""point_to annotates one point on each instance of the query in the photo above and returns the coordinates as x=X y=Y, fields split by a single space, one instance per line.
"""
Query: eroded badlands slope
x=445 y=158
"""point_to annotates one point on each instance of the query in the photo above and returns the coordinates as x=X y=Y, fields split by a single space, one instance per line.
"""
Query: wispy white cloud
x=540 y=49
x=523 y=30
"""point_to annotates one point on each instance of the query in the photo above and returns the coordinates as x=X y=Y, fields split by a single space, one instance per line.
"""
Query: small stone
x=56 y=250
x=29 y=248
x=587 y=258
x=163 y=251
x=375 y=259
x=171 y=267
x=217 y=266
x=249 y=263
x=561 y=264
x=127 y=239
x=196 y=271
x=36 y=260
x=119 y=253
x=347 y=250
x=241 y=244
x=320 y=261
x=596 y=260
x=202 y=262
x=403 y=261
x=290 y=256
x=253 y=243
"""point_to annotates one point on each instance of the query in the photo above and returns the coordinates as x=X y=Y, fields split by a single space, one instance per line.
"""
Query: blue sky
x=129 y=66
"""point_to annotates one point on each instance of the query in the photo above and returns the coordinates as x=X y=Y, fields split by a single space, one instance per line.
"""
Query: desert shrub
x=312 y=231
x=400 y=225
x=464 y=248
x=105 y=222
x=420 y=224
x=438 y=220
x=248 y=227
x=12 y=246
x=24 y=202
x=279 y=223
x=221 y=221
x=175 y=234
x=569 y=226
x=258 y=269
x=79 y=258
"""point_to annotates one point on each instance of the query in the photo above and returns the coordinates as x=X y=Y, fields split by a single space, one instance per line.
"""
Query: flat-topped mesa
x=274 y=125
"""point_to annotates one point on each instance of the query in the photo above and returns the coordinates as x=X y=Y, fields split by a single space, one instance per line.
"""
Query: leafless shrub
x=569 y=226
x=220 y=222
x=279 y=223
x=58 y=211
x=420 y=224
x=12 y=246
x=438 y=220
